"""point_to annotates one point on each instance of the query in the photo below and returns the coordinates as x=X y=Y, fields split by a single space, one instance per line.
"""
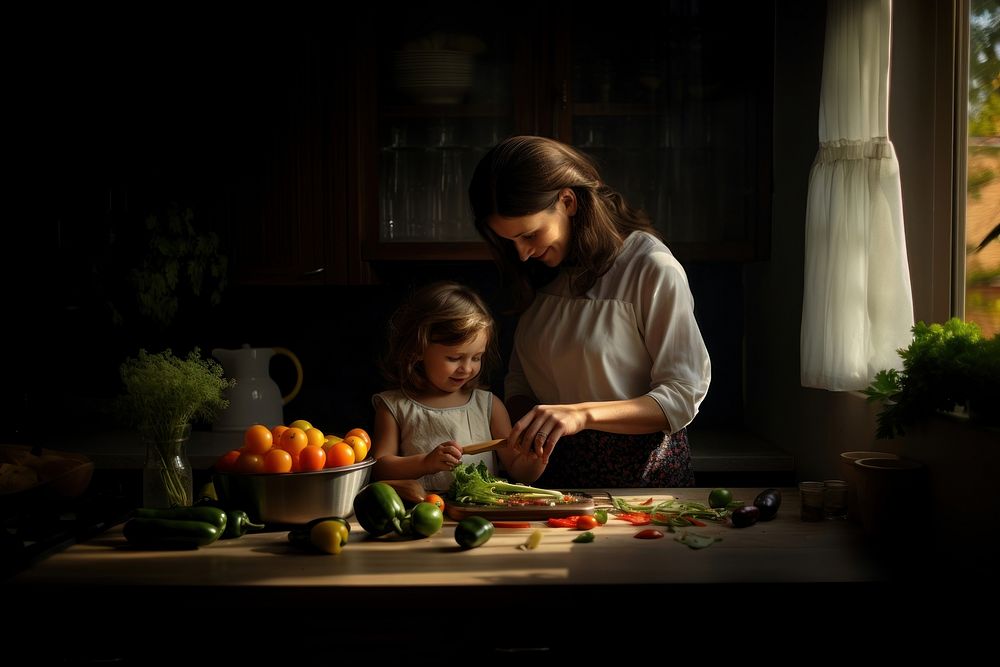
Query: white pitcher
x=256 y=398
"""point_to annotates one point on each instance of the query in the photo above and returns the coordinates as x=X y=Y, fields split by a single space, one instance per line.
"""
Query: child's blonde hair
x=445 y=313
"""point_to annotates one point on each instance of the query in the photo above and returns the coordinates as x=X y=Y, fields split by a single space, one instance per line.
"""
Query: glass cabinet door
x=445 y=97
x=673 y=100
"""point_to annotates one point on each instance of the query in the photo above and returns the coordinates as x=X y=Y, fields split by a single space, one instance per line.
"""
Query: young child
x=440 y=342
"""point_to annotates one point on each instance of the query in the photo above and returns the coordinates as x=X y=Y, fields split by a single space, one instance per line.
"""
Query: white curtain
x=856 y=307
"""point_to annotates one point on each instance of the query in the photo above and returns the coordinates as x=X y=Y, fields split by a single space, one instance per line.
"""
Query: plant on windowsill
x=947 y=367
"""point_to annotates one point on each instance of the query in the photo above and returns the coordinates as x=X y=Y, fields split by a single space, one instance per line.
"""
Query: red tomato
x=649 y=534
x=250 y=463
x=586 y=522
x=227 y=462
x=312 y=457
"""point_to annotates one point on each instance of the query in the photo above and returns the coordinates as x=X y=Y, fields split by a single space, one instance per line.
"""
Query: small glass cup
x=835 y=499
x=811 y=494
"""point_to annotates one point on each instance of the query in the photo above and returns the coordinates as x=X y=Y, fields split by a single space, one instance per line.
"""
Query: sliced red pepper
x=635 y=518
x=563 y=522
x=648 y=534
x=511 y=524
x=695 y=522
x=648 y=501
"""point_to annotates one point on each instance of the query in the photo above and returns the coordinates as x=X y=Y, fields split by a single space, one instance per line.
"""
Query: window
x=982 y=200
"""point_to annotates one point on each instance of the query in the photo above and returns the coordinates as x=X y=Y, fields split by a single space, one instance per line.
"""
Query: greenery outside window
x=980 y=298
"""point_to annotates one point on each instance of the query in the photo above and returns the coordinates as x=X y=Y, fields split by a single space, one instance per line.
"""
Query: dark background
x=115 y=123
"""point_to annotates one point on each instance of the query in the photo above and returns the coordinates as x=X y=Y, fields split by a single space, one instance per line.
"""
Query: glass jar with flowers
x=164 y=395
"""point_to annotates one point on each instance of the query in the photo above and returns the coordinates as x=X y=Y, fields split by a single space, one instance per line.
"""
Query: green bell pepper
x=379 y=509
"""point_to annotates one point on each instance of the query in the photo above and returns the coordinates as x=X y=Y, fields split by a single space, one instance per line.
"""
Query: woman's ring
x=544 y=436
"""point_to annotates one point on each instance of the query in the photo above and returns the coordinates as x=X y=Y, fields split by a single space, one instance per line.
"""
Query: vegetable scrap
x=696 y=541
x=533 y=540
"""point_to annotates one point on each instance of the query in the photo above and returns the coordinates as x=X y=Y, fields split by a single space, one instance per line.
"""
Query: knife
x=479 y=447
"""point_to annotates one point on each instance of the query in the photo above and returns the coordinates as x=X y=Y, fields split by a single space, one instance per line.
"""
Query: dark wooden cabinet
x=366 y=138
x=673 y=100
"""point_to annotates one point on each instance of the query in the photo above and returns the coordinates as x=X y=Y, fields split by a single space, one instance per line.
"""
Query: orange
x=359 y=446
x=312 y=457
x=339 y=454
x=361 y=433
x=257 y=439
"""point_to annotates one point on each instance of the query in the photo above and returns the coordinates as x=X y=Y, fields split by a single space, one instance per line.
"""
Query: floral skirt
x=595 y=459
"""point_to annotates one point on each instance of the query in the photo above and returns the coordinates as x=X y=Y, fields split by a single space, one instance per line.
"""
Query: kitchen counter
x=373 y=583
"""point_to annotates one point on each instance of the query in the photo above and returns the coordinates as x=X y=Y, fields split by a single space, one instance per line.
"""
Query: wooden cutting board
x=458 y=511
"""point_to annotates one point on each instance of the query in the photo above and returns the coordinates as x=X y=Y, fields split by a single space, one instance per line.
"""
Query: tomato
x=276 y=433
x=339 y=454
x=314 y=436
x=586 y=522
x=426 y=519
x=227 y=462
x=361 y=433
x=719 y=498
x=312 y=457
x=277 y=460
x=250 y=463
x=257 y=439
x=435 y=499
x=358 y=445
x=293 y=441
x=301 y=424
x=649 y=534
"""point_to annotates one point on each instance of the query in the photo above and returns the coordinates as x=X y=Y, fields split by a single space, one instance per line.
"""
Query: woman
x=609 y=365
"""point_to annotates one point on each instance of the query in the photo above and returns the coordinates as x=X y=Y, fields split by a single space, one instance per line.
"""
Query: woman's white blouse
x=632 y=334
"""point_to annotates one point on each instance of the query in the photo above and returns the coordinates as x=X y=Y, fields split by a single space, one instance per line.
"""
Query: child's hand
x=444 y=457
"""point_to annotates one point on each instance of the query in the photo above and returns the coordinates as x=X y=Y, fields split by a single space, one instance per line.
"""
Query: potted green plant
x=164 y=395
x=946 y=367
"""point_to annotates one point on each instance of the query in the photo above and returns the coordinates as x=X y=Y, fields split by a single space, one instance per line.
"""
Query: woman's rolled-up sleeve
x=681 y=370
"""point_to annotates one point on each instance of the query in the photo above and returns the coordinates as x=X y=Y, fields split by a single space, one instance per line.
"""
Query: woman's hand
x=443 y=458
x=537 y=432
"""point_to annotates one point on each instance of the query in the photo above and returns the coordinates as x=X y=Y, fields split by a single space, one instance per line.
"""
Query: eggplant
x=768 y=501
x=745 y=516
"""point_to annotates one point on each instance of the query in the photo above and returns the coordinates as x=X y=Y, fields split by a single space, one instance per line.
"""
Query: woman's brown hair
x=445 y=313
x=524 y=175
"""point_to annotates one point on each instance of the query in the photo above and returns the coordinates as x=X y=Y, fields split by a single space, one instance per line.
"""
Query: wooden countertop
x=259 y=575
x=783 y=550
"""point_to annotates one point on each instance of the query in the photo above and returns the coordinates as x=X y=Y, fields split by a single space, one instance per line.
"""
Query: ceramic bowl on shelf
x=433 y=76
x=294 y=497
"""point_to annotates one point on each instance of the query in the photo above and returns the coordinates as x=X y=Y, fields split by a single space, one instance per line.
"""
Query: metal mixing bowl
x=294 y=497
